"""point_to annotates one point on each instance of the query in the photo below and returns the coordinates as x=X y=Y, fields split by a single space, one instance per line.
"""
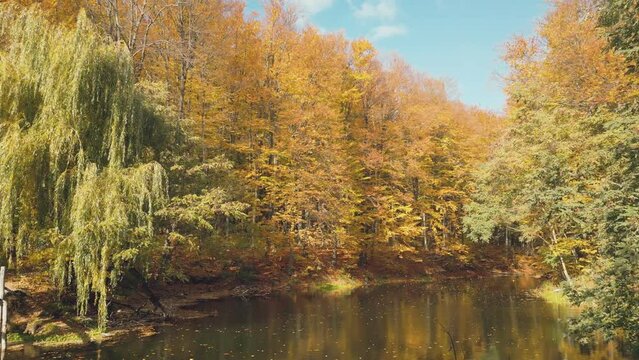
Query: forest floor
x=41 y=319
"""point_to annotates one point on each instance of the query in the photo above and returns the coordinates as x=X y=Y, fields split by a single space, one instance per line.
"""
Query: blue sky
x=457 y=40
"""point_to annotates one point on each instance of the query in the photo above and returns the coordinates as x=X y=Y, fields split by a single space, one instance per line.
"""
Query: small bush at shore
x=552 y=294
x=339 y=283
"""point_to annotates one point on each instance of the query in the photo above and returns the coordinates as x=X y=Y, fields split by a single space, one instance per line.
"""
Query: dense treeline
x=141 y=136
x=145 y=132
x=564 y=178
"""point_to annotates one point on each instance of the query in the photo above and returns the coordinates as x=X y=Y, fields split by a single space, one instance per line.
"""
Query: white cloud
x=377 y=9
x=307 y=8
x=386 y=31
x=312 y=7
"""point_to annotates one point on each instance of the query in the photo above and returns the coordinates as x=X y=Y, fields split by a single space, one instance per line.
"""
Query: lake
x=490 y=318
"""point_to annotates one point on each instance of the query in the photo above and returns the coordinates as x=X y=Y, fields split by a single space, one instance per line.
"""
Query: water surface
x=494 y=318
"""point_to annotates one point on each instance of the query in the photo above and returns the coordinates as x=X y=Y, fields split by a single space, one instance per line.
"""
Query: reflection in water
x=488 y=319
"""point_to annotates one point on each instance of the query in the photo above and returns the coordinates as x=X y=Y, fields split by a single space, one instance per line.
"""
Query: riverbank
x=41 y=322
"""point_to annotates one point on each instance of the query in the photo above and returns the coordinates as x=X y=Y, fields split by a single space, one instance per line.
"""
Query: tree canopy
x=79 y=144
x=564 y=176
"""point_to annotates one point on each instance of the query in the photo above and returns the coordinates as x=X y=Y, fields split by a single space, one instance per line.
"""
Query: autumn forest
x=154 y=145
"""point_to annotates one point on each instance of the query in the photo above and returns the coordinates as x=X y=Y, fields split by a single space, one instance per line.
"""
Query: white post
x=3 y=325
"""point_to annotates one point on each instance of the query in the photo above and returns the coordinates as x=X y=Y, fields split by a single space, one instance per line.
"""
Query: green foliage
x=78 y=141
x=196 y=203
x=533 y=183
x=565 y=177
x=575 y=196
x=619 y=18
x=609 y=291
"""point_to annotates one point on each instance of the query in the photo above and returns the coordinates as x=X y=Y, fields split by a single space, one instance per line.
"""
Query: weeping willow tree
x=78 y=143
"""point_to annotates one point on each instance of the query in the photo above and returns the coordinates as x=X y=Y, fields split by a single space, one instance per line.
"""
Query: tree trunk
x=424 y=231
x=565 y=270
x=561 y=260
x=182 y=77
x=335 y=247
x=507 y=242
x=144 y=285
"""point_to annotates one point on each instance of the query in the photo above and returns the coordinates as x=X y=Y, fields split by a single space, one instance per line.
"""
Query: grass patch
x=552 y=294
x=56 y=339
x=19 y=338
x=339 y=283
x=399 y=280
